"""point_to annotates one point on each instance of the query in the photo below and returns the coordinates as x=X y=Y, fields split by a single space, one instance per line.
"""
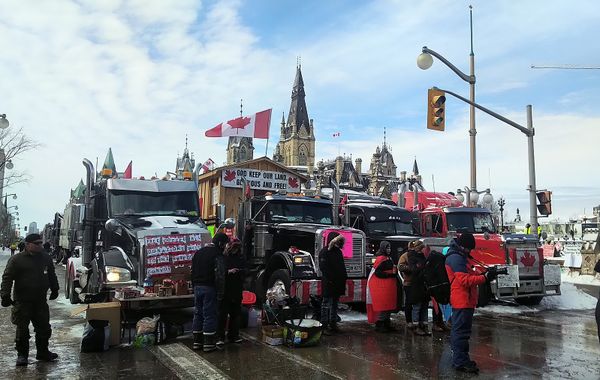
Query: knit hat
x=383 y=246
x=466 y=240
x=33 y=237
x=415 y=245
x=220 y=239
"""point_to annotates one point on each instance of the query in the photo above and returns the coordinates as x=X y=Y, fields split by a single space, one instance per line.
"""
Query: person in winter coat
x=417 y=295
x=32 y=273
x=406 y=284
x=208 y=278
x=597 y=270
x=463 y=298
x=333 y=280
x=382 y=289
x=231 y=304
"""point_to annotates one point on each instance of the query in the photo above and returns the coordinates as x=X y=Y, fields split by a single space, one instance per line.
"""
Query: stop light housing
x=436 y=112
x=545 y=199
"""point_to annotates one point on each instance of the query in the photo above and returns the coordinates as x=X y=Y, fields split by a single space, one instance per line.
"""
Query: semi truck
x=529 y=279
x=282 y=235
x=131 y=231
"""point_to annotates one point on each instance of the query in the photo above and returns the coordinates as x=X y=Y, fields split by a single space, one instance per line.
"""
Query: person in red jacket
x=463 y=298
x=382 y=289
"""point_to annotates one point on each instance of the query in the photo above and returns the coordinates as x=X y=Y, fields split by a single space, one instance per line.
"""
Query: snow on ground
x=570 y=299
x=574 y=277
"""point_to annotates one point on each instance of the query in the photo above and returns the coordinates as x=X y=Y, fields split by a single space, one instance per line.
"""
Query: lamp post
x=424 y=61
x=501 y=203
x=472 y=196
x=3 y=163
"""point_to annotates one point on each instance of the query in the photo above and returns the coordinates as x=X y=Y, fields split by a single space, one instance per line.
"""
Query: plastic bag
x=276 y=295
x=146 y=325
x=96 y=336
x=144 y=340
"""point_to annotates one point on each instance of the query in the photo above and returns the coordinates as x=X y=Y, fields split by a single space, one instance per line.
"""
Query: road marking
x=186 y=363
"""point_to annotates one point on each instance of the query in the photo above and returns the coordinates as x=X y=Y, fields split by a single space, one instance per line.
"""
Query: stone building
x=296 y=146
x=239 y=149
x=185 y=163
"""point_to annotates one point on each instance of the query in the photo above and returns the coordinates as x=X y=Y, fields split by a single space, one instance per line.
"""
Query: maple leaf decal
x=528 y=260
x=229 y=175
x=293 y=182
x=239 y=123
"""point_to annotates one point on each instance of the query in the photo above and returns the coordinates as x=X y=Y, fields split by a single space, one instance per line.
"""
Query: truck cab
x=282 y=236
x=135 y=229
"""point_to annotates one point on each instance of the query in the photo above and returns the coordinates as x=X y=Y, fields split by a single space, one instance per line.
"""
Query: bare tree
x=13 y=142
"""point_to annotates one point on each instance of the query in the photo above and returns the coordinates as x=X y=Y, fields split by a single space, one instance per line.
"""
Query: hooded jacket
x=333 y=269
x=463 y=279
x=381 y=284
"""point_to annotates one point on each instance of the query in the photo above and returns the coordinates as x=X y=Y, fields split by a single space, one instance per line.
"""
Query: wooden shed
x=222 y=189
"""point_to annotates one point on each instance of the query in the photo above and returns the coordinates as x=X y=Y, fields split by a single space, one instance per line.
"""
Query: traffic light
x=545 y=198
x=436 y=113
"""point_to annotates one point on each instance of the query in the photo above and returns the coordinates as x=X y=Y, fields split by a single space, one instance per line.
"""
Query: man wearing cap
x=32 y=273
x=463 y=298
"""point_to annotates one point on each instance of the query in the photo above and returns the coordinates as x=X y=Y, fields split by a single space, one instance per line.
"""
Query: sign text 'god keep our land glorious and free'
x=260 y=180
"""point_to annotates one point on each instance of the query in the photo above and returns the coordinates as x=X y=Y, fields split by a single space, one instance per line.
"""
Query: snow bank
x=576 y=278
x=570 y=299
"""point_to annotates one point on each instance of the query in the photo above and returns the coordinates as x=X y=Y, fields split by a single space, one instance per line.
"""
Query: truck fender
x=279 y=260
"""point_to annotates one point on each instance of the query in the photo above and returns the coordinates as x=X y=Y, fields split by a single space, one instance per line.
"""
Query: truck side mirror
x=113 y=226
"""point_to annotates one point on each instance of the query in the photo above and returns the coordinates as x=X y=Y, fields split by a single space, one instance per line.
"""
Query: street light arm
x=490 y=112
x=467 y=78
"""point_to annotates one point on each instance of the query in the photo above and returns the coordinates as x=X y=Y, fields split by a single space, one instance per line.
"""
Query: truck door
x=434 y=225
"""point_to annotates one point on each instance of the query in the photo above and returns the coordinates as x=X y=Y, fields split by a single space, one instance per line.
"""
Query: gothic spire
x=415 y=167
x=298 y=115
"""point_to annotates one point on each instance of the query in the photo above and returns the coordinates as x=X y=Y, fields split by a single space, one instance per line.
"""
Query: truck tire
x=529 y=301
x=67 y=284
x=485 y=295
x=280 y=274
x=73 y=295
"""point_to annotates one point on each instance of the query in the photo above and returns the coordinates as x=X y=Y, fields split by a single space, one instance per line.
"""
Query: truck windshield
x=142 y=203
x=303 y=212
x=390 y=227
x=473 y=222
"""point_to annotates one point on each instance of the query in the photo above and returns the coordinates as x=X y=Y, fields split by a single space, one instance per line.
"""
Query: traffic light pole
x=532 y=189
x=529 y=132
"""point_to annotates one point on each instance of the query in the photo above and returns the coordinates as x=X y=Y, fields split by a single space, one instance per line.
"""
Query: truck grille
x=355 y=267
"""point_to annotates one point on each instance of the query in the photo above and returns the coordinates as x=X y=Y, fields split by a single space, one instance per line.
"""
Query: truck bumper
x=356 y=290
x=549 y=285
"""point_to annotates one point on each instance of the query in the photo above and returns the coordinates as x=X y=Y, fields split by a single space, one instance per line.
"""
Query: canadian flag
x=207 y=165
x=256 y=126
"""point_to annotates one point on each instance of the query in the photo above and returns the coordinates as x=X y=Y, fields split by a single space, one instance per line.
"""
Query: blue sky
x=80 y=76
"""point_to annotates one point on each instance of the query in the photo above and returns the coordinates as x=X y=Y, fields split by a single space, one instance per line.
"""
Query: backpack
x=436 y=279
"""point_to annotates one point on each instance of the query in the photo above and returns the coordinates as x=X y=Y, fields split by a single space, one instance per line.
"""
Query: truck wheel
x=529 y=301
x=67 y=284
x=282 y=275
x=485 y=295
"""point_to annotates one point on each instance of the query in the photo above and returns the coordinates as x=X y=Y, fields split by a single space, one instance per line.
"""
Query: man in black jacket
x=333 y=281
x=597 y=270
x=32 y=272
x=231 y=303
x=208 y=277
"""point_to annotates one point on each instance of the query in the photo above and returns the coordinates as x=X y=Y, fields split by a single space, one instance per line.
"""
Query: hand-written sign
x=170 y=253
x=260 y=180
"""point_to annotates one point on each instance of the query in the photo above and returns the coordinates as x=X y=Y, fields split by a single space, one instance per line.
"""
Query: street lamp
x=472 y=197
x=501 y=203
x=424 y=62
x=14 y=196
x=3 y=121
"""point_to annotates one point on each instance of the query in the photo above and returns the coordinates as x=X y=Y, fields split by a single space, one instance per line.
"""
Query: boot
x=424 y=329
x=22 y=361
x=47 y=356
x=379 y=326
x=440 y=327
x=210 y=342
x=387 y=325
x=198 y=340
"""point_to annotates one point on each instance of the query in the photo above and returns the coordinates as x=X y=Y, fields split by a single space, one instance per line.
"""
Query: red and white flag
x=208 y=165
x=256 y=126
x=128 y=172
x=337 y=134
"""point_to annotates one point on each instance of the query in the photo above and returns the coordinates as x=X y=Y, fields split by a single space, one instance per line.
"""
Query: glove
x=491 y=274
x=6 y=302
x=53 y=294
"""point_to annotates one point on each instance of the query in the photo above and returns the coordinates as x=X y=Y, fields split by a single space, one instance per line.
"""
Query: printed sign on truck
x=169 y=254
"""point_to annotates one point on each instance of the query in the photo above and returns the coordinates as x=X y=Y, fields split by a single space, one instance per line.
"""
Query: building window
x=242 y=154
x=302 y=156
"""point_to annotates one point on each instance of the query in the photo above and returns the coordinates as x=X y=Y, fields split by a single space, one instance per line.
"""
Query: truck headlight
x=116 y=274
x=301 y=260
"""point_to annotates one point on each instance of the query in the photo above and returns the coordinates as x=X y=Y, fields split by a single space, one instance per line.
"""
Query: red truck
x=529 y=277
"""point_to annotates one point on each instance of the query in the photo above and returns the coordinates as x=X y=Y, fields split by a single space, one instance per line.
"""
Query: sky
x=138 y=76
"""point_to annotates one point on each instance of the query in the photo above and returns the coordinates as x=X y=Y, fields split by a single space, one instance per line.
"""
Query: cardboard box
x=272 y=331
x=106 y=311
x=272 y=341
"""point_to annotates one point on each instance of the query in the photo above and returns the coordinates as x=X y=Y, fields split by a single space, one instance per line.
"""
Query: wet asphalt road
x=547 y=344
